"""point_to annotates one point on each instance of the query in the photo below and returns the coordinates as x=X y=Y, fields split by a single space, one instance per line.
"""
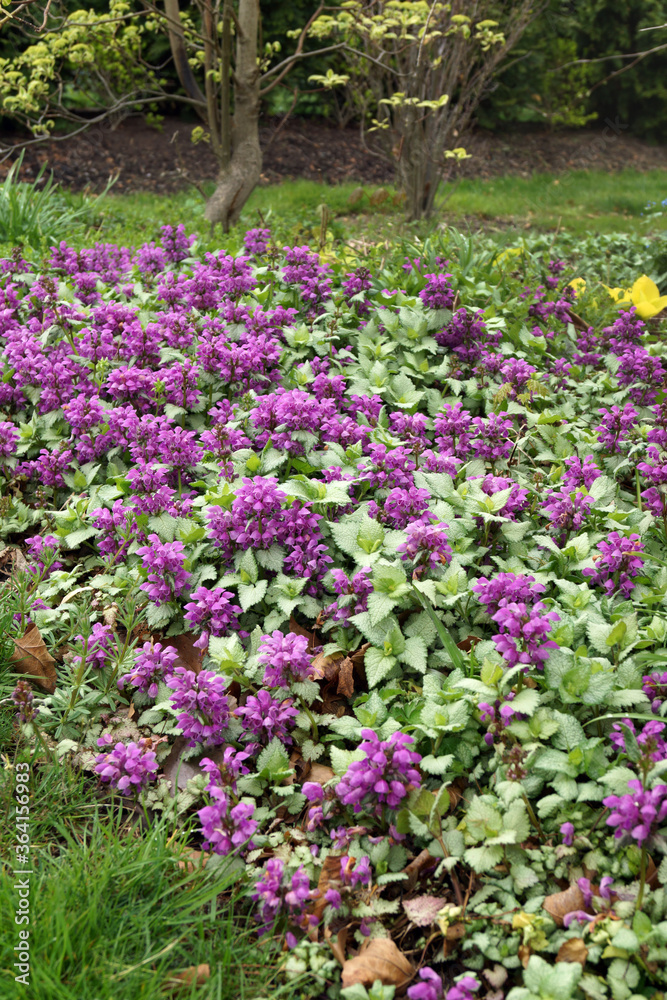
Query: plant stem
x=642 y=878
x=314 y=731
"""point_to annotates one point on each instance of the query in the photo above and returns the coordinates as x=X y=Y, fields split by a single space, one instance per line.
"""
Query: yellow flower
x=644 y=296
x=509 y=253
x=621 y=295
x=647 y=298
x=579 y=285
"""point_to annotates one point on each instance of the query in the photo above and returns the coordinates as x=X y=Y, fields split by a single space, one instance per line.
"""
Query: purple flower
x=579 y=473
x=264 y=718
x=127 y=767
x=355 y=871
x=654 y=687
x=401 y=507
x=523 y=632
x=353 y=594
x=620 y=560
x=279 y=895
x=616 y=425
x=497 y=718
x=650 y=739
x=286 y=657
x=430 y=987
x=463 y=989
x=98 y=648
x=567 y=831
x=507 y=588
x=384 y=777
x=9 y=438
x=567 y=511
x=163 y=561
x=426 y=545
x=22 y=697
x=256 y=241
x=151 y=666
x=226 y=827
x=203 y=700
x=212 y=610
x=637 y=813
x=438 y=293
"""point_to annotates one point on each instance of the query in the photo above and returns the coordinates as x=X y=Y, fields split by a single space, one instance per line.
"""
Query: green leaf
x=251 y=595
x=377 y=665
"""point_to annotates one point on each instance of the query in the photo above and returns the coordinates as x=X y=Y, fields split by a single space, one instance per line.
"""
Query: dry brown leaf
x=188 y=655
x=416 y=866
x=559 y=904
x=32 y=658
x=175 y=769
x=573 y=950
x=329 y=879
x=380 y=960
x=455 y=932
x=337 y=943
x=196 y=974
x=346 y=678
x=300 y=630
x=524 y=954
x=320 y=774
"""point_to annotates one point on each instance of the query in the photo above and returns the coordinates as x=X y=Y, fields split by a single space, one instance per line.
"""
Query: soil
x=166 y=161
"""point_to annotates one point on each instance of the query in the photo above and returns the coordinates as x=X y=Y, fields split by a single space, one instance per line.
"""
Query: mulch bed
x=166 y=161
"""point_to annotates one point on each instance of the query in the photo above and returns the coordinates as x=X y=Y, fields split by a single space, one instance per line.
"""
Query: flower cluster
x=127 y=767
x=163 y=561
x=204 y=706
x=639 y=812
x=620 y=560
x=384 y=777
x=286 y=658
x=523 y=631
x=426 y=546
x=151 y=666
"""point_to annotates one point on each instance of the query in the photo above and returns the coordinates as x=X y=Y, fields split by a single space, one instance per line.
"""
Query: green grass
x=581 y=202
x=111 y=914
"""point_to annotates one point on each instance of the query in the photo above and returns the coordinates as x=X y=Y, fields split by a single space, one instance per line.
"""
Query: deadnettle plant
x=384 y=777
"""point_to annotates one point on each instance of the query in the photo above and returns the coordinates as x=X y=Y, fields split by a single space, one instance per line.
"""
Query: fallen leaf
x=455 y=932
x=329 y=879
x=573 y=950
x=32 y=658
x=561 y=903
x=337 y=943
x=300 y=630
x=422 y=910
x=380 y=960
x=176 y=770
x=346 y=678
x=196 y=975
x=524 y=954
x=320 y=774
x=468 y=643
x=188 y=655
x=414 y=869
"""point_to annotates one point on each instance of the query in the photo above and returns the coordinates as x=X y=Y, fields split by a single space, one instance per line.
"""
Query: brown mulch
x=166 y=161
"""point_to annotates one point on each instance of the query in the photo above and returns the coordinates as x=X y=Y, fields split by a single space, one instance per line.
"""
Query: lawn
x=339 y=575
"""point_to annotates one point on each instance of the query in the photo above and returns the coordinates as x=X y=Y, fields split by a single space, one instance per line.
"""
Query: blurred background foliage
x=537 y=87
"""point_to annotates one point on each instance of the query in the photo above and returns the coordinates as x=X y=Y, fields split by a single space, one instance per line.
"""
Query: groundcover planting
x=355 y=571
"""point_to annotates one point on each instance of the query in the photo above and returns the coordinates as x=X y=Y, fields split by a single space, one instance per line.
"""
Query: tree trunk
x=237 y=180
